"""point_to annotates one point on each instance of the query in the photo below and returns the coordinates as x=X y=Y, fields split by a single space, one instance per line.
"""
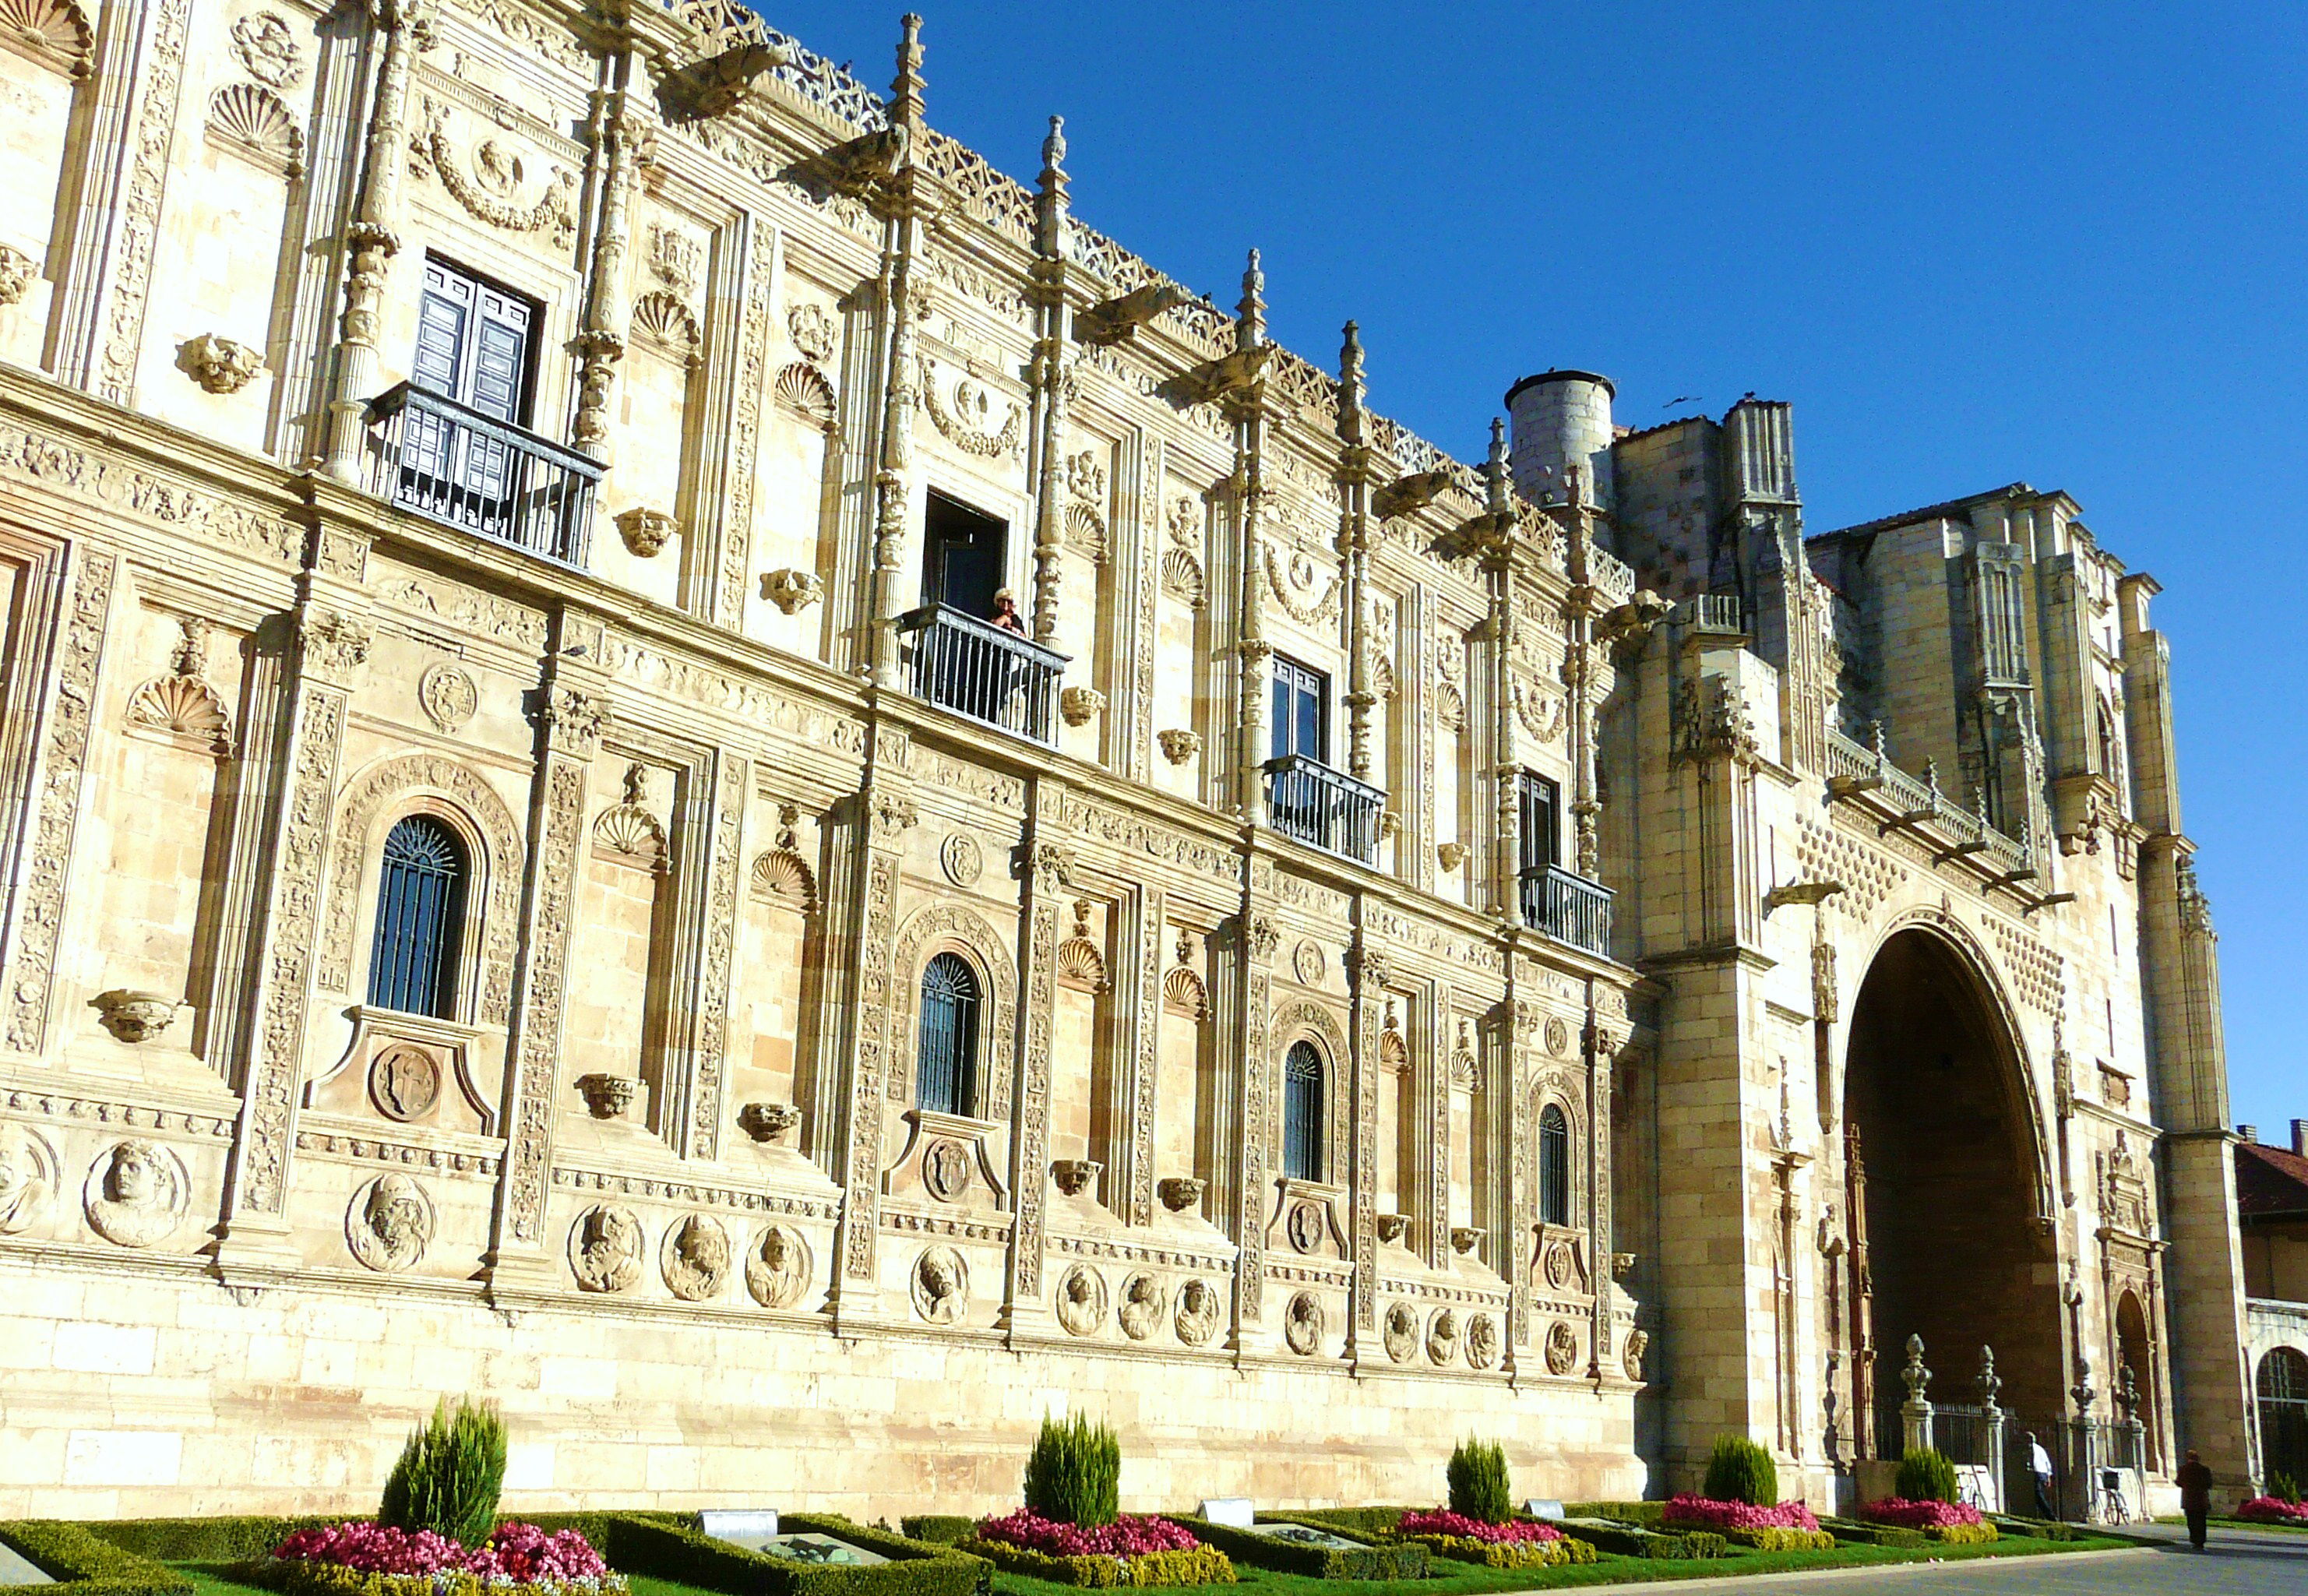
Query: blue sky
x=1972 y=244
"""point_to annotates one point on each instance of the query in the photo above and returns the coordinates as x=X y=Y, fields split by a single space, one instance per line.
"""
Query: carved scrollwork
x=487 y=184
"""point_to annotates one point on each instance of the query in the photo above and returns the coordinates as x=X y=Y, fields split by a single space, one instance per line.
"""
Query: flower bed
x=2273 y=1510
x=1788 y=1527
x=1954 y=1524
x=1132 y=1550
x=1275 y=1548
x=1518 y=1543
x=1458 y=1526
x=362 y=1558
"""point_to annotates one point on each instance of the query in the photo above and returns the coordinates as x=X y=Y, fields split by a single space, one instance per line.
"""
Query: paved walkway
x=2237 y=1563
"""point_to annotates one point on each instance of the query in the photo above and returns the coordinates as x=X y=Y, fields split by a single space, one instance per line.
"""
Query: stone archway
x=1947 y=1194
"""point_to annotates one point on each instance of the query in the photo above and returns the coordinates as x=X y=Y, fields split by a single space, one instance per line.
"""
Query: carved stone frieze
x=494 y=181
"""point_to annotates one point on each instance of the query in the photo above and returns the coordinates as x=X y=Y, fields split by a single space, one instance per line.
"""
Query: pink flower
x=2275 y=1510
x=1920 y=1515
x=1126 y=1536
x=1442 y=1521
x=519 y=1553
x=1702 y=1513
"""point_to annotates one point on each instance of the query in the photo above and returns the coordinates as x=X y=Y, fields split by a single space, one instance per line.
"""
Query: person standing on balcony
x=1005 y=613
x=2195 y=1482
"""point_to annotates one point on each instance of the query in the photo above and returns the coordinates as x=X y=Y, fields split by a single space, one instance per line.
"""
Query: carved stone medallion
x=28 y=1179
x=1482 y=1341
x=389 y=1224
x=812 y=329
x=1562 y=1348
x=1308 y=960
x=605 y=1249
x=1198 y=1312
x=695 y=1259
x=1558 y=1265
x=959 y=857
x=266 y=48
x=941 y=1285
x=135 y=1194
x=1401 y=1333
x=1558 y=1036
x=945 y=1169
x=779 y=1267
x=1442 y=1336
x=1144 y=1305
x=1302 y=1323
x=447 y=696
x=1637 y=1342
x=1081 y=1300
x=404 y=1081
x=1305 y=1226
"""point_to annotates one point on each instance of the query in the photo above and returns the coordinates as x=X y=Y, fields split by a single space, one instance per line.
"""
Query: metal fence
x=987 y=672
x=450 y=464
x=1328 y=808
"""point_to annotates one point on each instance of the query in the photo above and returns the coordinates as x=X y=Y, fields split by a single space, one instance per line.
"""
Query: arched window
x=2282 y=1388
x=1554 y=1166
x=945 y=1067
x=1302 y=1112
x=420 y=916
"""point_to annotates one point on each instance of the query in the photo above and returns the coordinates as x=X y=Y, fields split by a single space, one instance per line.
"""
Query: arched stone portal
x=1949 y=1215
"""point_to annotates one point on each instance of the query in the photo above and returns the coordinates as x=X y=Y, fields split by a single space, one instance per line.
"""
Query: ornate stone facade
x=1314 y=1091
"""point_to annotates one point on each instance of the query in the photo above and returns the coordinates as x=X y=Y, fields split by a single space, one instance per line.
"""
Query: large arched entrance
x=1943 y=1190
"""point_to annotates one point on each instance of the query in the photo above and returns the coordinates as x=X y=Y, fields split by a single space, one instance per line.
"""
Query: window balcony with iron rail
x=1568 y=907
x=451 y=463
x=987 y=672
x=1308 y=800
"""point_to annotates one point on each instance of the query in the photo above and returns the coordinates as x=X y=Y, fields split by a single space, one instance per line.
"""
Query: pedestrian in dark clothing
x=2195 y=1496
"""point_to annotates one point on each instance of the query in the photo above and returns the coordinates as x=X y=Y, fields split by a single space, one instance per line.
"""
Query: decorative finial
x=1054 y=151
x=906 y=92
x=1050 y=206
x=1495 y=468
x=1250 y=331
x=1350 y=385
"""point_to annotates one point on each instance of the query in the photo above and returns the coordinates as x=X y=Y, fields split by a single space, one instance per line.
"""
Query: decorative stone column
x=1046 y=874
x=1369 y=970
x=372 y=239
x=1251 y=954
x=1915 y=1412
x=1245 y=404
x=1046 y=466
x=2083 y=1447
x=571 y=714
x=619 y=131
x=1357 y=476
x=1991 y=1387
x=885 y=811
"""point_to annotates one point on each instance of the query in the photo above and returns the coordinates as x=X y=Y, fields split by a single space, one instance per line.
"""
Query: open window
x=962 y=557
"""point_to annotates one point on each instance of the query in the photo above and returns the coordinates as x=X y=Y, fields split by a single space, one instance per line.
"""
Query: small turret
x=1562 y=418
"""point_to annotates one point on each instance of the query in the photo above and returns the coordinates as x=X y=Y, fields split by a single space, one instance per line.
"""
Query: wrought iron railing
x=987 y=672
x=1964 y=1435
x=1568 y=907
x=450 y=464
x=1328 y=808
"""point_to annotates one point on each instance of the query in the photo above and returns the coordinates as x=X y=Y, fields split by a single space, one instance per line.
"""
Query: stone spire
x=1351 y=386
x=1496 y=481
x=906 y=107
x=1250 y=326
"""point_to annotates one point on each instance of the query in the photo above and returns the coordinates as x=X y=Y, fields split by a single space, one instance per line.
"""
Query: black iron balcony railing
x=1569 y=908
x=1328 y=808
x=450 y=464
x=976 y=668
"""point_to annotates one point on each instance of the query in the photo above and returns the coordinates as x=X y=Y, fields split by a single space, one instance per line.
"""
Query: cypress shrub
x=1926 y=1475
x=1477 y=1477
x=449 y=1476
x=1739 y=1470
x=1073 y=1475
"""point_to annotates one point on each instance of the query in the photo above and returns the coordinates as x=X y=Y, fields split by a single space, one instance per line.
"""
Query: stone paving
x=2236 y=1563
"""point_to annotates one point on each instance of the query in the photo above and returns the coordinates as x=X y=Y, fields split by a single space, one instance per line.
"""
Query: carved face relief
x=1198 y=1312
x=1562 y=1348
x=941 y=1285
x=28 y=1177
x=388 y=1223
x=135 y=1194
x=1482 y=1341
x=605 y=1249
x=1442 y=1336
x=1081 y=1300
x=696 y=1259
x=779 y=1268
x=1302 y=1325
x=1143 y=1305
x=1637 y=1341
x=1401 y=1333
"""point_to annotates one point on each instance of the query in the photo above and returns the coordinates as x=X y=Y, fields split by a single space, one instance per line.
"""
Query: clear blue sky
x=2065 y=244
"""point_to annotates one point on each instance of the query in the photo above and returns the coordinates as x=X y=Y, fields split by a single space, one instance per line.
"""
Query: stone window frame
x=468 y=941
x=952 y=928
x=1306 y=1021
x=1551 y=1093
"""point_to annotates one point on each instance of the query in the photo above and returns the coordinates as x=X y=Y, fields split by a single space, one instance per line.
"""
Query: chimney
x=2248 y=1133
x=2300 y=1137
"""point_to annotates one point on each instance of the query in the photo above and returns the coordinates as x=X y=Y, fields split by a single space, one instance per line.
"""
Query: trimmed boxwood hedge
x=1203 y=1566
x=939 y=1528
x=1402 y=1559
x=83 y=1564
x=1358 y=1523
x=1780 y=1538
x=1852 y=1531
x=1559 y=1552
x=1627 y=1541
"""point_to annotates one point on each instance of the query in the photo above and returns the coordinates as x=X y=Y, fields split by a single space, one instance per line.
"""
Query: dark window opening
x=420 y=910
x=962 y=552
x=945 y=1067
x=1302 y=1113
x=1554 y=1166
x=1300 y=712
x=1542 y=836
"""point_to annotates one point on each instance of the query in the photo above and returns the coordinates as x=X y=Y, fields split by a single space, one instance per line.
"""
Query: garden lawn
x=214 y=1579
x=1453 y=1578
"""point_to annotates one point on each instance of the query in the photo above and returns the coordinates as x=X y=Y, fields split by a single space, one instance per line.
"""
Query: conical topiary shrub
x=1739 y=1470
x=1926 y=1475
x=1477 y=1477
x=1073 y=1475
x=449 y=1476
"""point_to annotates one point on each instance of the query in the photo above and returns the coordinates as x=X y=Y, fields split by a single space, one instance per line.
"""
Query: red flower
x=1702 y=1513
x=1920 y=1515
x=1442 y=1521
x=1126 y=1536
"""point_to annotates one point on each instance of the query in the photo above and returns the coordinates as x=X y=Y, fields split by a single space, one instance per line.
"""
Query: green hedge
x=1851 y=1531
x=1203 y=1566
x=1778 y=1537
x=1401 y=1560
x=1627 y=1541
x=1651 y=1515
x=207 y=1539
x=1362 y=1524
x=1558 y=1553
x=939 y=1528
x=2041 y=1528
x=83 y=1564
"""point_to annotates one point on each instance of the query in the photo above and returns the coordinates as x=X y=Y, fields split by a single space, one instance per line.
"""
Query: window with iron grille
x=420 y=912
x=945 y=1066
x=1302 y=1112
x=1554 y=1166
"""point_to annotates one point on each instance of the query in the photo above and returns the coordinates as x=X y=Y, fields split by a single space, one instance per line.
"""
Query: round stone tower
x=1561 y=419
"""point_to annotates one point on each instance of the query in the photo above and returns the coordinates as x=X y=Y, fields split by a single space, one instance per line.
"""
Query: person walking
x=2039 y=1464
x=2195 y=1481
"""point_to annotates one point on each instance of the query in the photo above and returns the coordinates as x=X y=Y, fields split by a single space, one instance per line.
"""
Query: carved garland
x=554 y=207
x=390 y=785
x=965 y=433
x=950 y=925
x=1293 y=588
